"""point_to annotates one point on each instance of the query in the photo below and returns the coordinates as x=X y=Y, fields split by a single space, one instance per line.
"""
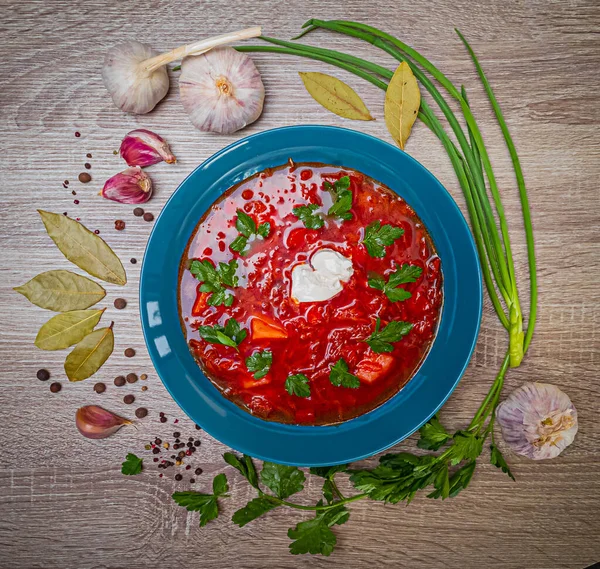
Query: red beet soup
x=310 y=294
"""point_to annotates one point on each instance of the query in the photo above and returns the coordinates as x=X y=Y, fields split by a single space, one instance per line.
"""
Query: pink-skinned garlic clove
x=537 y=420
x=221 y=90
x=131 y=186
x=95 y=422
x=133 y=87
x=143 y=147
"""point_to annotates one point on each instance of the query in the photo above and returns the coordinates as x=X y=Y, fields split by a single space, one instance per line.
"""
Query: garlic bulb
x=135 y=74
x=221 y=90
x=133 y=88
x=537 y=420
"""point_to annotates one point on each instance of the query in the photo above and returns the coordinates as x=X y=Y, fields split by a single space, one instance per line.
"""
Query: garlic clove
x=134 y=88
x=221 y=90
x=132 y=185
x=537 y=420
x=143 y=147
x=94 y=422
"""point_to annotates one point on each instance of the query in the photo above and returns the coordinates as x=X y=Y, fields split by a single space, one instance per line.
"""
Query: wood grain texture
x=63 y=501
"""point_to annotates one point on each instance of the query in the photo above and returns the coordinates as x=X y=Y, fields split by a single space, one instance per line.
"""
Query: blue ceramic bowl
x=374 y=431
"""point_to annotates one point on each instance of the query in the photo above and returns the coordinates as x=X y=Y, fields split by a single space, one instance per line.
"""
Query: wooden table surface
x=64 y=503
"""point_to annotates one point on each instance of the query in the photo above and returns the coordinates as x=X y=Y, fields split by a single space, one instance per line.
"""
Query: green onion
x=470 y=163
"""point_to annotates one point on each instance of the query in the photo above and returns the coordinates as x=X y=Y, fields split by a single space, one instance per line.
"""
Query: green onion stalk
x=473 y=168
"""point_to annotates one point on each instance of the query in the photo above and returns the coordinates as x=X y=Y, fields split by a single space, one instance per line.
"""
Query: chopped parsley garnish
x=341 y=377
x=405 y=274
x=229 y=335
x=260 y=363
x=247 y=227
x=342 y=197
x=381 y=340
x=206 y=504
x=214 y=279
x=298 y=385
x=132 y=465
x=378 y=236
x=306 y=214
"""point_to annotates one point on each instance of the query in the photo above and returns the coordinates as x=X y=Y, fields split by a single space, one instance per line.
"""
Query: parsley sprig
x=133 y=465
x=297 y=384
x=342 y=198
x=405 y=274
x=247 y=228
x=206 y=504
x=397 y=478
x=232 y=334
x=381 y=340
x=306 y=214
x=341 y=377
x=377 y=237
x=260 y=363
x=215 y=279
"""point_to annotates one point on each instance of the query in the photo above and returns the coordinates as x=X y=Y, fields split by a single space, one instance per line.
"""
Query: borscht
x=309 y=294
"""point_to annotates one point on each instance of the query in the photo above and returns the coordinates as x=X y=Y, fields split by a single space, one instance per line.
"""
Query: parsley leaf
x=398 y=477
x=253 y=509
x=457 y=482
x=305 y=213
x=497 y=459
x=282 y=480
x=433 y=435
x=328 y=490
x=340 y=376
x=341 y=206
x=239 y=243
x=377 y=236
x=132 y=465
x=298 y=385
x=229 y=335
x=244 y=465
x=342 y=197
x=264 y=229
x=245 y=224
x=260 y=363
x=328 y=471
x=206 y=504
x=247 y=227
x=405 y=274
x=466 y=446
x=380 y=340
x=315 y=536
x=214 y=279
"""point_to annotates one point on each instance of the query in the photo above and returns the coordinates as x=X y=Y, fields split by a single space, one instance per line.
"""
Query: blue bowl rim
x=223 y=435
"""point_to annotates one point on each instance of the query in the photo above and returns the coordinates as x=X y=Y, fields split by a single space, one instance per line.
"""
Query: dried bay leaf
x=62 y=291
x=66 y=329
x=84 y=248
x=90 y=354
x=402 y=102
x=335 y=96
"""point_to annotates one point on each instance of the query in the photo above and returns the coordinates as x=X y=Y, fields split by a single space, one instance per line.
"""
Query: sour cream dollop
x=321 y=279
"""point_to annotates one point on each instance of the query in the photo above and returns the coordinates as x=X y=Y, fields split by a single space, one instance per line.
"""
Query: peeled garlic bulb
x=135 y=74
x=133 y=88
x=221 y=90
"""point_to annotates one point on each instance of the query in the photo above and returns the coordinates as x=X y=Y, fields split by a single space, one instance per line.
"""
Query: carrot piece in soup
x=263 y=329
x=199 y=304
x=373 y=367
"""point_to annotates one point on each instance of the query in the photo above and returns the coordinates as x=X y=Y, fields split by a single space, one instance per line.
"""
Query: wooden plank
x=64 y=502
